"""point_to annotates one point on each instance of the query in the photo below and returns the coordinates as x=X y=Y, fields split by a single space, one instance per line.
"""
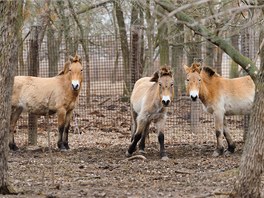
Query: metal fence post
x=33 y=71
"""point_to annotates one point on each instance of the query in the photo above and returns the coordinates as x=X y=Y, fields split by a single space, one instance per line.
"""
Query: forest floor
x=96 y=166
x=100 y=169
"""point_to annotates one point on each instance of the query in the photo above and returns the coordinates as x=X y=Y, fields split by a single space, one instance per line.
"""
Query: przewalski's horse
x=220 y=97
x=42 y=96
x=150 y=99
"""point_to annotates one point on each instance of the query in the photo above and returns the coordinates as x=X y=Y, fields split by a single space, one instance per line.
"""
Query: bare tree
x=9 y=26
x=162 y=37
x=124 y=45
x=251 y=166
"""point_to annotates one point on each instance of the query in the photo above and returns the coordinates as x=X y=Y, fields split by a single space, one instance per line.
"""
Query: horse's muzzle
x=194 y=98
x=75 y=85
x=165 y=103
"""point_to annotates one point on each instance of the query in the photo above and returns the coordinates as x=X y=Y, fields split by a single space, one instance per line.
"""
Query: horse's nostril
x=165 y=102
x=75 y=87
x=193 y=98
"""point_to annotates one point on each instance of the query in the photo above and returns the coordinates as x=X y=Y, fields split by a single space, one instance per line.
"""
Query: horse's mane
x=163 y=71
x=71 y=60
x=209 y=71
x=197 y=67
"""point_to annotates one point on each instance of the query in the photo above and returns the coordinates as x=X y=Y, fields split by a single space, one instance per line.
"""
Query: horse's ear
x=155 y=77
x=186 y=69
x=66 y=68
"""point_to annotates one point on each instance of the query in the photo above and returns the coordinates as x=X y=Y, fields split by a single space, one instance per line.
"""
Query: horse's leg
x=61 y=127
x=141 y=145
x=13 y=120
x=160 y=127
x=231 y=144
x=66 y=130
x=141 y=124
x=219 y=119
x=134 y=123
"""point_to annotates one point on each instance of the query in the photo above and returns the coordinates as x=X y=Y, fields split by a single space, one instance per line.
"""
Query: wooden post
x=33 y=71
x=195 y=116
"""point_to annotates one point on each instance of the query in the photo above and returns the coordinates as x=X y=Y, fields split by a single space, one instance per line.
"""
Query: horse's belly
x=38 y=108
x=238 y=108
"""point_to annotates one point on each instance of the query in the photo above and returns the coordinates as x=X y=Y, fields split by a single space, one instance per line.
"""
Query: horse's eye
x=172 y=84
x=187 y=80
x=81 y=70
x=160 y=84
x=200 y=80
x=69 y=69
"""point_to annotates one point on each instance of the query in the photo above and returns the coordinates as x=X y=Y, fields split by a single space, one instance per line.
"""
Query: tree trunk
x=124 y=47
x=134 y=40
x=33 y=71
x=163 y=38
x=233 y=72
x=252 y=162
x=251 y=165
x=177 y=58
x=53 y=51
x=9 y=26
x=150 y=20
x=86 y=53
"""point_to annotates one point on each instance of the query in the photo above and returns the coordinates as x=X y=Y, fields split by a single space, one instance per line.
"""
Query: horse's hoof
x=63 y=149
x=13 y=147
x=216 y=153
x=228 y=153
x=66 y=145
x=231 y=148
x=128 y=154
x=165 y=158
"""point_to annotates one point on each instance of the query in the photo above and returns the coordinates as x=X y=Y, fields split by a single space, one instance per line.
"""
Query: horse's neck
x=204 y=91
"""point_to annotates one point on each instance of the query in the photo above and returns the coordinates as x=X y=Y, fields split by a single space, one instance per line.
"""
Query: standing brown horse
x=150 y=99
x=220 y=97
x=42 y=96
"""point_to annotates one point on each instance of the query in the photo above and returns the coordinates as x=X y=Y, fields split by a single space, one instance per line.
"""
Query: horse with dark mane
x=43 y=96
x=220 y=97
x=150 y=100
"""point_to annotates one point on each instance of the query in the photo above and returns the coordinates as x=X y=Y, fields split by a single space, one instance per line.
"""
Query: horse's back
x=140 y=93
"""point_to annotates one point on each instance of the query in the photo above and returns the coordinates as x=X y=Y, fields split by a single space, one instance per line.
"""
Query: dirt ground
x=96 y=165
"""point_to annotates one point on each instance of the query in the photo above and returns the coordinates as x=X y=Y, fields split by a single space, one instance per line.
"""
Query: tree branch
x=93 y=6
x=247 y=64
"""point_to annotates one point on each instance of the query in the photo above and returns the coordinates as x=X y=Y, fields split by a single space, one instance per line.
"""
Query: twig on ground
x=101 y=103
x=135 y=157
x=183 y=172
x=214 y=194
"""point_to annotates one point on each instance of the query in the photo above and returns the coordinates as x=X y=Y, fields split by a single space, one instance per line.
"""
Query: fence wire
x=109 y=109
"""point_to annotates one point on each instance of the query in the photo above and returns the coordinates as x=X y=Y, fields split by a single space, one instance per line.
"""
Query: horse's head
x=193 y=80
x=75 y=71
x=164 y=78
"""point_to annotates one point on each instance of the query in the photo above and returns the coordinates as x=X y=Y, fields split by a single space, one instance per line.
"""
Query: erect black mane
x=209 y=71
x=163 y=71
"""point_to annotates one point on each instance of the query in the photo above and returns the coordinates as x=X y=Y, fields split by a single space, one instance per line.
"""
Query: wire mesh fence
x=108 y=108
